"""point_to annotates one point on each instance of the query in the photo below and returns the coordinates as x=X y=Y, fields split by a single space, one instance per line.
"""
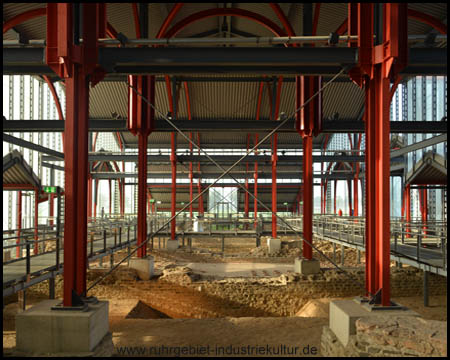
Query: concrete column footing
x=306 y=267
x=43 y=331
x=143 y=266
x=344 y=313
x=274 y=245
x=172 y=245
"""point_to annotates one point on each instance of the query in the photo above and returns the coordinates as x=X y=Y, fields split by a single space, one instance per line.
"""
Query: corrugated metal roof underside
x=17 y=171
x=431 y=169
x=220 y=100
x=120 y=16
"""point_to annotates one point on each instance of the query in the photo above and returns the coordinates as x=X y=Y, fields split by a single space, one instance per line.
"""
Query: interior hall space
x=224 y=179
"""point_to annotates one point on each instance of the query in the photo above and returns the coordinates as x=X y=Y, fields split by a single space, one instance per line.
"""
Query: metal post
x=425 y=289
x=419 y=245
x=58 y=225
x=92 y=243
x=36 y=213
x=104 y=241
x=51 y=288
x=174 y=187
x=19 y=224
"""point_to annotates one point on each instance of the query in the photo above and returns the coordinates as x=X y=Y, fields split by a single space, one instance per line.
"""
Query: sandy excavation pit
x=182 y=306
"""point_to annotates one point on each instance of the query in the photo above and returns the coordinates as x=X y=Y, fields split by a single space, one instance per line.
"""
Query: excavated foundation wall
x=283 y=296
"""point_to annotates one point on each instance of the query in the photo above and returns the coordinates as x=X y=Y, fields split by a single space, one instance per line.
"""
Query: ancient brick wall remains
x=390 y=336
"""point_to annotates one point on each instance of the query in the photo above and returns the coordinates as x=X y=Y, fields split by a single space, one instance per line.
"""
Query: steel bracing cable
x=238 y=183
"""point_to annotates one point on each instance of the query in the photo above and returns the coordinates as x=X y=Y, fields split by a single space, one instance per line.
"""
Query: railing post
x=120 y=236
x=419 y=244
x=92 y=243
x=395 y=241
x=115 y=237
x=28 y=260
x=104 y=240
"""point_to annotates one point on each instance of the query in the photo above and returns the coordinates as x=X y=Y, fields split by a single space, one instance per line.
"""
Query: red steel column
x=382 y=168
x=408 y=209
x=255 y=189
x=19 y=222
x=334 y=200
x=307 y=196
x=173 y=160
x=247 y=199
x=349 y=186
x=371 y=283
x=424 y=208
x=142 y=194
x=75 y=149
x=274 y=184
x=52 y=208
x=308 y=124
x=110 y=196
x=191 y=189
x=246 y=195
x=36 y=207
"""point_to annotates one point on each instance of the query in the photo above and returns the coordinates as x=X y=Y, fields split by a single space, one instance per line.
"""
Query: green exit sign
x=50 y=189
x=152 y=201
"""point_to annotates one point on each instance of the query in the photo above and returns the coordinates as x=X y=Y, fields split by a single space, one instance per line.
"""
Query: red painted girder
x=27 y=15
x=413 y=14
x=168 y=20
x=267 y=23
x=18 y=187
x=282 y=17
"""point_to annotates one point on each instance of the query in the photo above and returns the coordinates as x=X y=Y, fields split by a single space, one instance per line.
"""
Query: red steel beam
x=316 y=18
x=282 y=17
x=18 y=187
x=428 y=19
x=413 y=14
x=25 y=16
x=168 y=20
